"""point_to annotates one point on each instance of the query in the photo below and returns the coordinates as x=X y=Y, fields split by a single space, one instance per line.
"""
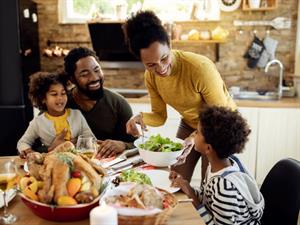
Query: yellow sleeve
x=212 y=87
x=158 y=115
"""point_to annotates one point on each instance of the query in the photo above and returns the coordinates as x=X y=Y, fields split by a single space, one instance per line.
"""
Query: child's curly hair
x=225 y=130
x=39 y=85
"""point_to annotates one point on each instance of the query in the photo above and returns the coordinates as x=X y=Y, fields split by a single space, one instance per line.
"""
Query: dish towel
x=269 y=52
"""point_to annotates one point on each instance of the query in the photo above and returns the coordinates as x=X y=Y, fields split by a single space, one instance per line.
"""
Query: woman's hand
x=131 y=127
x=109 y=148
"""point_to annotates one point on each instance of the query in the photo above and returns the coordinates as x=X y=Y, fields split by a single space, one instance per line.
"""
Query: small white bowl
x=158 y=159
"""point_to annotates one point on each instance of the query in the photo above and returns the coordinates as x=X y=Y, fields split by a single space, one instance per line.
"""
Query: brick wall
x=231 y=65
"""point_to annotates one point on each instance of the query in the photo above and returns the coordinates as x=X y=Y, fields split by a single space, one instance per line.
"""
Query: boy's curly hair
x=225 y=130
x=39 y=84
x=142 y=29
x=73 y=56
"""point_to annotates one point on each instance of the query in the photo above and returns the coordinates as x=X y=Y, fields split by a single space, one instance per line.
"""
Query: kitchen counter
x=283 y=103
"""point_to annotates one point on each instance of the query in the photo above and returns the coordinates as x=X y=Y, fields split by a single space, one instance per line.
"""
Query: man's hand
x=131 y=127
x=187 y=148
x=60 y=138
x=109 y=148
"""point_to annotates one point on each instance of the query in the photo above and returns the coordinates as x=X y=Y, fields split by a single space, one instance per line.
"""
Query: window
x=79 y=11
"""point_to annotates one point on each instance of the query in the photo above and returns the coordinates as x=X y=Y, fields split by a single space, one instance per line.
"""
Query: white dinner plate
x=160 y=179
x=10 y=194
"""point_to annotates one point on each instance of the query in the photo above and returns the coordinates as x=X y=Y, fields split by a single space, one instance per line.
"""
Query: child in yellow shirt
x=48 y=92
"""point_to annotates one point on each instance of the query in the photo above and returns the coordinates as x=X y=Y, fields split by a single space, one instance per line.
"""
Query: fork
x=143 y=135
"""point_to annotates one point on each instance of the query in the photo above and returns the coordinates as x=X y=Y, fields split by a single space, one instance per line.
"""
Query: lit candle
x=103 y=215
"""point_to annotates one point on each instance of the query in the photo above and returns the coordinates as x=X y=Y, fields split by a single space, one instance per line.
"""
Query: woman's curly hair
x=225 y=130
x=39 y=84
x=142 y=29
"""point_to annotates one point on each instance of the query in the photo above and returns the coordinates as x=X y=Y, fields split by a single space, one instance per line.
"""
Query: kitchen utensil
x=278 y=23
x=185 y=200
x=121 y=158
x=125 y=166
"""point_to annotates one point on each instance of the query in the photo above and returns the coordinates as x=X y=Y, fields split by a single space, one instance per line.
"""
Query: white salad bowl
x=158 y=159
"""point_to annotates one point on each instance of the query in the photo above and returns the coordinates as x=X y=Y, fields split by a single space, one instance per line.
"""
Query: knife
x=122 y=157
x=125 y=166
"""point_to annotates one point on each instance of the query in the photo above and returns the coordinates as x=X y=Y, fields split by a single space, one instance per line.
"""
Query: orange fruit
x=73 y=186
x=30 y=194
x=66 y=200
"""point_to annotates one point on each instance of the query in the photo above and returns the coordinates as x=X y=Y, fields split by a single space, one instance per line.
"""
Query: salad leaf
x=157 y=143
x=135 y=176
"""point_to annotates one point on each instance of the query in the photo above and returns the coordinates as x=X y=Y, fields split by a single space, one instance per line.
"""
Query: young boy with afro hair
x=228 y=193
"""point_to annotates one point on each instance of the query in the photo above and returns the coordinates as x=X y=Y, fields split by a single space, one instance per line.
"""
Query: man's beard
x=91 y=94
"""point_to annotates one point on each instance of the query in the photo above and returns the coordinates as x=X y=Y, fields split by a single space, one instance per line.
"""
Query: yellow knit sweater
x=193 y=82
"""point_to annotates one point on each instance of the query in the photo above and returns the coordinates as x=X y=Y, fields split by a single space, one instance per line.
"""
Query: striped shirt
x=230 y=196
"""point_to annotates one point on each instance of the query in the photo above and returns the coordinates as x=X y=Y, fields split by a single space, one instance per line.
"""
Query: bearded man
x=106 y=112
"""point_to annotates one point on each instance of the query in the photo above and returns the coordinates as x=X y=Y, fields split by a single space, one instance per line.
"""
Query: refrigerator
x=19 y=57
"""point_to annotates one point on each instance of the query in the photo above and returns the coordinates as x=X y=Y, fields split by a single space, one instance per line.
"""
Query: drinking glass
x=7 y=183
x=87 y=145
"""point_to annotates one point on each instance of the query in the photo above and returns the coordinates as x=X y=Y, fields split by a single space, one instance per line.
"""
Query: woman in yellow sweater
x=186 y=81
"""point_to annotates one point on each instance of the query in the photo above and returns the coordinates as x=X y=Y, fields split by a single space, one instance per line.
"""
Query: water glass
x=87 y=145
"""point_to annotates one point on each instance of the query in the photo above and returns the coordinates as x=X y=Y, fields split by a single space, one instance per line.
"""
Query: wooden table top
x=185 y=213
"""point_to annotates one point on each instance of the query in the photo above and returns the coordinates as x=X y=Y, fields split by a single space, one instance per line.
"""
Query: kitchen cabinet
x=274 y=135
x=279 y=132
x=249 y=154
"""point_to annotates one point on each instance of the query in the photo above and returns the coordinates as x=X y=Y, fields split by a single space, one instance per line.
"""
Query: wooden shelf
x=196 y=42
x=195 y=21
x=272 y=5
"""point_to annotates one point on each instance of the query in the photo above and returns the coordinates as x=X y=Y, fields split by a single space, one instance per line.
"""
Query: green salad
x=156 y=143
x=134 y=176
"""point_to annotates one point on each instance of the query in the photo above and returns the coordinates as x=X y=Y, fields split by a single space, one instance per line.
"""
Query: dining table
x=184 y=213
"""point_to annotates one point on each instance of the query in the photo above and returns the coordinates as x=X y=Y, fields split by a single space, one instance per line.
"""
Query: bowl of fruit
x=61 y=185
x=159 y=151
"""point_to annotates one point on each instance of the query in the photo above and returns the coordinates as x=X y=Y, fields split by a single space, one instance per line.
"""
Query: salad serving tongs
x=143 y=137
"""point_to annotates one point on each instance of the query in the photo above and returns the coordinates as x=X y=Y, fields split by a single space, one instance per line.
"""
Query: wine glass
x=8 y=184
x=87 y=145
